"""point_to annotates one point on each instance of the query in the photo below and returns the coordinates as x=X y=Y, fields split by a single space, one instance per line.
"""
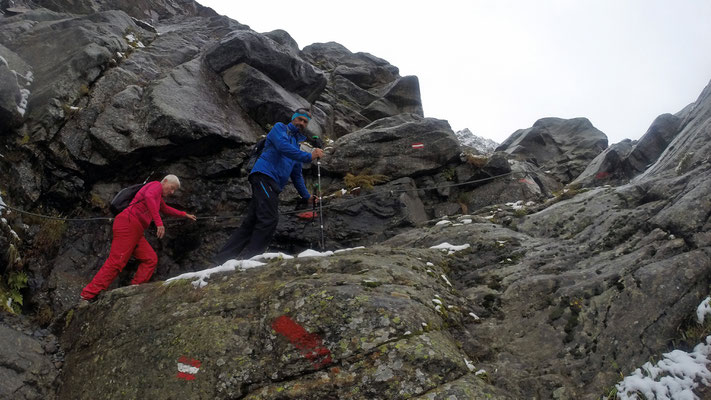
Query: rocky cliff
x=543 y=270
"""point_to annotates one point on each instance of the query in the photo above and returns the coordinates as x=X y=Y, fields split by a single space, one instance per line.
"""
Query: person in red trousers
x=128 y=239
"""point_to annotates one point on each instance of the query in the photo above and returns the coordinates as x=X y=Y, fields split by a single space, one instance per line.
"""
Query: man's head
x=301 y=119
x=170 y=184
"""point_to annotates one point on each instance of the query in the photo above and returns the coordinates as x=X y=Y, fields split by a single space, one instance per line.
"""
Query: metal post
x=320 y=207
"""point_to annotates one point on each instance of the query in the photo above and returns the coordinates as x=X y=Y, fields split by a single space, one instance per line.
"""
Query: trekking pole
x=320 y=207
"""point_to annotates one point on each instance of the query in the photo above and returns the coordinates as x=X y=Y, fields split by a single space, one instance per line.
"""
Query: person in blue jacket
x=280 y=160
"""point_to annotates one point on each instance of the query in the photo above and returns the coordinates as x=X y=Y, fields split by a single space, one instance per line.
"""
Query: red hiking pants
x=128 y=241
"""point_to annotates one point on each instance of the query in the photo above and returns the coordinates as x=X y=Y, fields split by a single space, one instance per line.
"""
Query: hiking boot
x=83 y=303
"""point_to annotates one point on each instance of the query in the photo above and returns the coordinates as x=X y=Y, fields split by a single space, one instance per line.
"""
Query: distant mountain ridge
x=469 y=139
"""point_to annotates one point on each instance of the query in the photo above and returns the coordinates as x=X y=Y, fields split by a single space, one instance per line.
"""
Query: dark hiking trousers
x=258 y=226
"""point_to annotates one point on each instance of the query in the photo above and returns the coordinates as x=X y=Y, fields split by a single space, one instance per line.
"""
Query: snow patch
x=444 y=222
x=22 y=107
x=674 y=377
x=204 y=275
x=446 y=280
x=352 y=248
x=450 y=248
x=701 y=311
x=314 y=253
x=476 y=317
x=469 y=364
x=517 y=205
x=3 y=61
x=271 y=256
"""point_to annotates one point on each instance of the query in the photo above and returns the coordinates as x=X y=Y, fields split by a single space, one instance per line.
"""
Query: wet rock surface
x=561 y=289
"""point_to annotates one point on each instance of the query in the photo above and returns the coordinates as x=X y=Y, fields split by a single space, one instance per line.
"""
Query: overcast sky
x=499 y=65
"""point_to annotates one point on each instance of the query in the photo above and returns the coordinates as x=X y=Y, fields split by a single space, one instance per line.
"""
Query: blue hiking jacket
x=282 y=158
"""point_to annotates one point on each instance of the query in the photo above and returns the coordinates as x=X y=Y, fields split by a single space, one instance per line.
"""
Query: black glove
x=316 y=142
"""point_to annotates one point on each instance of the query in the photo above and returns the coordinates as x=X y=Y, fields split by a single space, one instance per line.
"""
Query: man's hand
x=190 y=216
x=161 y=232
x=313 y=199
x=316 y=154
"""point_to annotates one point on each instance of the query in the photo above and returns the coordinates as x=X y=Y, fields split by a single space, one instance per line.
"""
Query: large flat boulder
x=397 y=147
x=311 y=328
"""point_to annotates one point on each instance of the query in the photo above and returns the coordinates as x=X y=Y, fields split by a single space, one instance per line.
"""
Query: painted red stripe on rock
x=186 y=376
x=309 y=344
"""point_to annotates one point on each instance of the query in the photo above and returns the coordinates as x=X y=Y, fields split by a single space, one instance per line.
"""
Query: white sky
x=496 y=66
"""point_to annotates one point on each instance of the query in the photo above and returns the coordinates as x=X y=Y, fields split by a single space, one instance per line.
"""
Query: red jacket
x=146 y=204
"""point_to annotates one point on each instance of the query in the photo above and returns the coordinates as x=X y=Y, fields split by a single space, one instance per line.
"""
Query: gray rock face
x=690 y=148
x=386 y=147
x=26 y=368
x=565 y=147
x=553 y=299
x=361 y=89
x=622 y=161
x=270 y=57
x=356 y=220
x=153 y=10
x=264 y=100
x=332 y=331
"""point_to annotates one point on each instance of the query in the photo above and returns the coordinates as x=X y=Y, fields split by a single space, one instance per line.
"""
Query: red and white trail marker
x=188 y=368
x=418 y=145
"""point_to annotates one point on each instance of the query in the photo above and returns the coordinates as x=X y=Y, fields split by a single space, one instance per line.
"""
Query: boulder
x=609 y=167
x=264 y=100
x=363 y=69
x=247 y=334
x=404 y=93
x=27 y=370
x=355 y=219
x=269 y=57
x=623 y=161
x=386 y=147
x=283 y=38
x=564 y=147
x=689 y=150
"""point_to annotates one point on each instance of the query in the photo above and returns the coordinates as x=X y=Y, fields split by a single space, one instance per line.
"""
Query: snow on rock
x=450 y=248
x=674 y=377
x=446 y=280
x=3 y=61
x=701 y=311
x=352 y=248
x=204 y=275
x=22 y=107
x=443 y=222
x=314 y=253
x=271 y=256
x=517 y=205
